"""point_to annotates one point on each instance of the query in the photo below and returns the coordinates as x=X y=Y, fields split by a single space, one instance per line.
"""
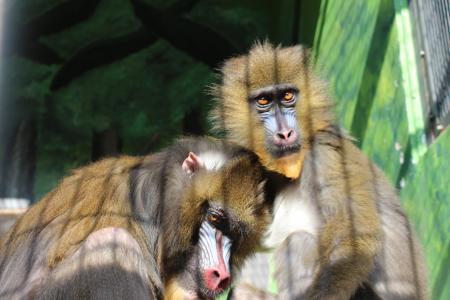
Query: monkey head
x=219 y=222
x=271 y=102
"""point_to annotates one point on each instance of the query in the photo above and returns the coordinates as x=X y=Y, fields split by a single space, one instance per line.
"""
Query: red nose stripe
x=218 y=278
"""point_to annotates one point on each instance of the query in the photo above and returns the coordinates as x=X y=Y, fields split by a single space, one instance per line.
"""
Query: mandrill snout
x=217 y=279
x=285 y=137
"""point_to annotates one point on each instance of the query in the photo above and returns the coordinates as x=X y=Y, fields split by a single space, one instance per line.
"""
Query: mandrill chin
x=173 y=225
x=338 y=228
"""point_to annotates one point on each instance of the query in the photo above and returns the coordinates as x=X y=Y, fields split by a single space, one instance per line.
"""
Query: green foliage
x=24 y=10
x=163 y=4
x=145 y=96
x=24 y=78
x=242 y=20
x=112 y=18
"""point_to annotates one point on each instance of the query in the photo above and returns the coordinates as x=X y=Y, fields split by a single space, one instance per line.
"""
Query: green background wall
x=358 y=50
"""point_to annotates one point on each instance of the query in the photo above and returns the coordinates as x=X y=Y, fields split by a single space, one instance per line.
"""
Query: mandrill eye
x=288 y=96
x=213 y=218
x=216 y=216
x=263 y=101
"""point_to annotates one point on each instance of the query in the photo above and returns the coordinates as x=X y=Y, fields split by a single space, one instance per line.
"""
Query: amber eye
x=213 y=218
x=263 y=101
x=288 y=96
x=216 y=216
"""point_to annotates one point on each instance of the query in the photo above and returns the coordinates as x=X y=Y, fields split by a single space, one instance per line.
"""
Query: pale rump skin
x=338 y=229
x=160 y=226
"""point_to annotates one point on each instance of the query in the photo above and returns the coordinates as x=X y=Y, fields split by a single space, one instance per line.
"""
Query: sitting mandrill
x=173 y=225
x=338 y=229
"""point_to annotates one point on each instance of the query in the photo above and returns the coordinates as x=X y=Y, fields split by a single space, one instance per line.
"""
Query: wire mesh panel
x=432 y=18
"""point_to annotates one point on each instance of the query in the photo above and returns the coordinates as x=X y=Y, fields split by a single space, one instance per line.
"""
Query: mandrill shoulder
x=335 y=156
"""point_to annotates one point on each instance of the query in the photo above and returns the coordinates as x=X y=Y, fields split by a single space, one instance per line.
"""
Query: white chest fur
x=294 y=210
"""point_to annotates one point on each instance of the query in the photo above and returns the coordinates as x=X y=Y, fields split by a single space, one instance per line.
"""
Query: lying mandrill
x=338 y=228
x=173 y=225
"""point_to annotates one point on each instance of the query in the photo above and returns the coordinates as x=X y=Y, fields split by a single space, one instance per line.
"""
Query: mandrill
x=173 y=225
x=338 y=228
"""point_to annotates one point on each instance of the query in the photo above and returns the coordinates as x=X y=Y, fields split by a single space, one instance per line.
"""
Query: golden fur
x=353 y=230
x=100 y=195
x=94 y=197
x=267 y=65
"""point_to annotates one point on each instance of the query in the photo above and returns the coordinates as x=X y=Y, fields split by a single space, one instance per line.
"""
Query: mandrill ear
x=192 y=163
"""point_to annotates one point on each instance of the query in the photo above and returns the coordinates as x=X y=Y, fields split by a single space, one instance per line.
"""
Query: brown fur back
x=94 y=197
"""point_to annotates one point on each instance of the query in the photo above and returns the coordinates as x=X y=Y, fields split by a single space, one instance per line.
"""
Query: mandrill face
x=207 y=272
x=230 y=215
x=276 y=110
x=272 y=103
